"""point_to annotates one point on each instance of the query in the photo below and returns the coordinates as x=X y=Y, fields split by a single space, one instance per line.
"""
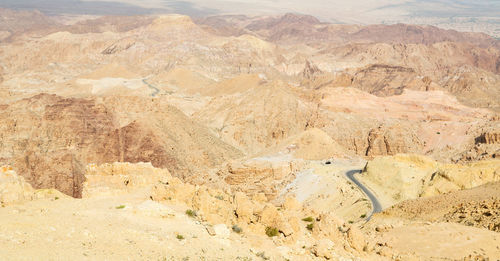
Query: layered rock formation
x=489 y=138
x=382 y=141
x=267 y=175
x=386 y=80
x=73 y=132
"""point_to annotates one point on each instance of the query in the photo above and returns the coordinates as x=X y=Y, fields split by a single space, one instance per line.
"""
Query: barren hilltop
x=230 y=137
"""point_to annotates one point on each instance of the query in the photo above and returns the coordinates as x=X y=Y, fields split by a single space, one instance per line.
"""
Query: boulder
x=356 y=238
x=221 y=231
x=244 y=207
x=323 y=248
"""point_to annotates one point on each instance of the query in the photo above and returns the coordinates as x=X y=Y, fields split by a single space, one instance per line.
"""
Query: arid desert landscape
x=246 y=137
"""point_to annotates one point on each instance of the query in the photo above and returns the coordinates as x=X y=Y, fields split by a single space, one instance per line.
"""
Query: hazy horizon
x=357 y=11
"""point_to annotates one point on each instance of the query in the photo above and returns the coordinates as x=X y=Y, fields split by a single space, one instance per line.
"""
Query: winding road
x=155 y=90
x=375 y=203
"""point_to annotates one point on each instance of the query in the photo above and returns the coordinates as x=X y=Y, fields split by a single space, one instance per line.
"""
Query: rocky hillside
x=50 y=139
x=403 y=177
x=176 y=93
x=472 y=207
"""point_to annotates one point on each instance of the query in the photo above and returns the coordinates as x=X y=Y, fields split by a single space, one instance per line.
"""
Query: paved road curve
x=375 y=203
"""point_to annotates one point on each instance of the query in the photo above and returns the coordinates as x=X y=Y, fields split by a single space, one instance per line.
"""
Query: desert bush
x=271 y=231
x=310 y=226
x=237 y=229
x=308 y=219
x=191 y=213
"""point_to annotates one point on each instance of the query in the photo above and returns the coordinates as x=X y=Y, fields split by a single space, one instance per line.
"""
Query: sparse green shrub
x=179 y=236
x=262 y=255
x=56 y=198
x=363 y=216
x=120 y=207
x=191 y=213
x=308 y=219
x=271 y=231
x=219 y=197
x=350 y=221
x=237 y=229
x=310 y=226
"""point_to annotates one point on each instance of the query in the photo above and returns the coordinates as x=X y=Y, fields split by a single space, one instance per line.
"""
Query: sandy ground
x=444 y=241
x=98 y=229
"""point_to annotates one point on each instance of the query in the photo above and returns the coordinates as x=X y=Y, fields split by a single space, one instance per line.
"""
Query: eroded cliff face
x=387 y=80
x=49 y=140
x=391 y=141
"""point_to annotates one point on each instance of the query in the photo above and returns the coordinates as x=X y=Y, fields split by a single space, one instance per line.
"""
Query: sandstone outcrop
x=268 y=176
x=390 y=141
x=222 y=207
x=122 y=178
x=375 y=80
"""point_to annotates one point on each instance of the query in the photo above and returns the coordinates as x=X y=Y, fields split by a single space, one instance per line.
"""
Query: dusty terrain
x=112 y=127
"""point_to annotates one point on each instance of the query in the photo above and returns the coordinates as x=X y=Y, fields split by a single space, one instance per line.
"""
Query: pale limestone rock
x=286 y=228
x=122 y=178
x=291 y=203
x=323 y=248
x=13 y=188
x=270 y=216
x=221 y=231
x=244 y=207
x=259 y=197
x=356 y=238
x=328 y=227
x=408 y=176
x=295 y=223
